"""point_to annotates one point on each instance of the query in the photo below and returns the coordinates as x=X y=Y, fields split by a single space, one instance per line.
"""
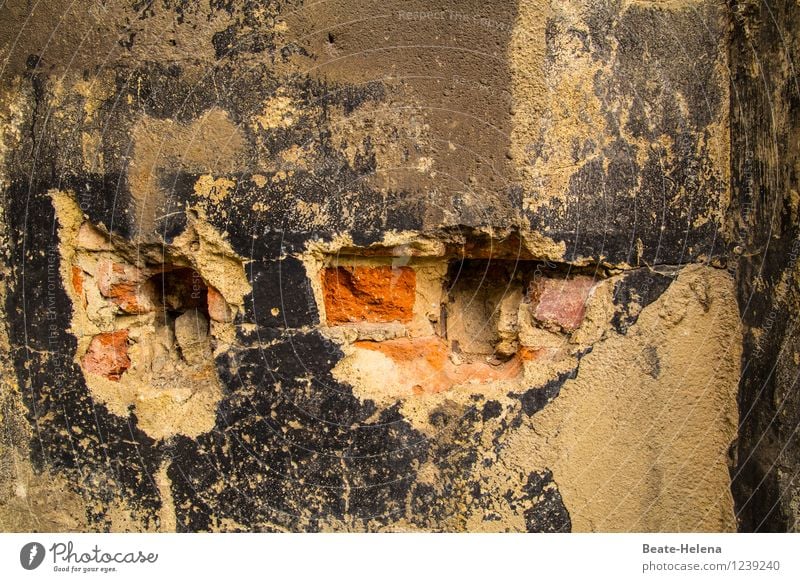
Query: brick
x=108 y=355
x=560 y=303
x=218 y=308
x=77 y=284
x=125 y=286
x=380 y=294
x=431 y=351
x=424 y=364
x=77 y=280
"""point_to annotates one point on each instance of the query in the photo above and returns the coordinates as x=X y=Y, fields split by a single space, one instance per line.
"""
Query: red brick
x=379 y=294
x=126 y=286
x=560 y=303
x=77 y=280
x=108 y=355
x=77 y=283
x=218 y=308
x=431 y=351
x=424 y=364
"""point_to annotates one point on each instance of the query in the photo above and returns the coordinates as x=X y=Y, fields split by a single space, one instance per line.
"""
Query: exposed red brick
x=560 y=303
x=218 y=308
x=380 y=294
x=77 y=283
x=77 y=280
x=125 y=285
x=430 y=350
x=424 y=365
x=108 y=355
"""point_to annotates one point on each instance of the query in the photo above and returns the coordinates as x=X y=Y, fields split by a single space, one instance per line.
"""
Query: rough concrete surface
x=398 y=266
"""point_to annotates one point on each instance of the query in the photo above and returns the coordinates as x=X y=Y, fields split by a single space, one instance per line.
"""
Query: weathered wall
x=367 y=266
x=766 y=164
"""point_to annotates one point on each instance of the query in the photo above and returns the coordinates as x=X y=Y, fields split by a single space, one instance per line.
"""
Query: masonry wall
x=447 y=266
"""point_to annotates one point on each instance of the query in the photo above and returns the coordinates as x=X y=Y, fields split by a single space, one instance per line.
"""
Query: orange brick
x=77 y=280
x=77 y=283
x=379 y=294
x=125 y=286
x=218 y=308
x=424 y=364
x=108 y=355
x=430 y=350
x=560 y=303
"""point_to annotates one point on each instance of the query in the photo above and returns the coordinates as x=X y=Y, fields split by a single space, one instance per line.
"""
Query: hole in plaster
x=149 y=318
x=482 y=304
x=489 y=300
x=437 y=322
x=182 y=299
x=179 y=289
